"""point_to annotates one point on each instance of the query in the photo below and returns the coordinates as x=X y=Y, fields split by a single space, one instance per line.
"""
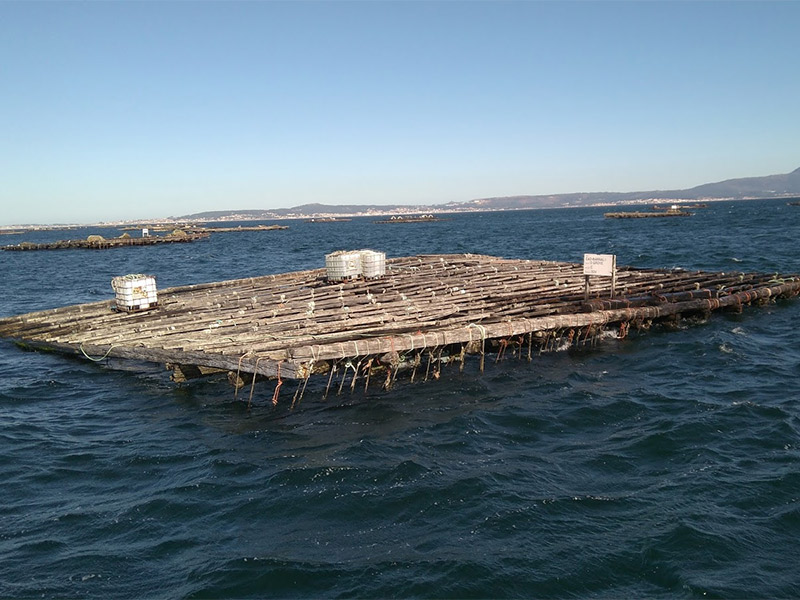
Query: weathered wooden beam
x=254 y=324
x=472 y=332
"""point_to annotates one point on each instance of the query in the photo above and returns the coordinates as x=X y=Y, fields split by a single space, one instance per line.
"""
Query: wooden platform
x=406 y=219
x=426 y=311
x=239 y=228
x=100 y=243
x=647 y=215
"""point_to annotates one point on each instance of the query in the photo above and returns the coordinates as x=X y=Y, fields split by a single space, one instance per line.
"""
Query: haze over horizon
x=127 y=110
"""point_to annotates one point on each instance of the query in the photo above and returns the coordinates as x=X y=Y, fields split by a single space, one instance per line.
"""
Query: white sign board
x=599 y=264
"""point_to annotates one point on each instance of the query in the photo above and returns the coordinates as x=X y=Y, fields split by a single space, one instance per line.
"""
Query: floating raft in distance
x=239 y=228
x=416 y=219
x=328 y=220
x=672 y=212
x=191 y=228
x=97 y=242
x=680 y=206
x=427 y=311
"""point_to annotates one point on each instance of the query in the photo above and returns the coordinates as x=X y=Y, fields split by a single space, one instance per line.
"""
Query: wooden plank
x=294 y=319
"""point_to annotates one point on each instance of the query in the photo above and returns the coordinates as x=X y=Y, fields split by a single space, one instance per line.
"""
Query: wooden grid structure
x=100 y=243
x=426 y=311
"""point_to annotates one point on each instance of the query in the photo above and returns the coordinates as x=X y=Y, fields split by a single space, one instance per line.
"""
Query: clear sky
x=125 y=110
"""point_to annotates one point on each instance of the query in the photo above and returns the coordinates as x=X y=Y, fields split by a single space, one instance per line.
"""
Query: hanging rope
x=236 y=385
x=330 y=379
x=105 y=356
x=347 y=366
x=368 y=368
x=355 y=375
x=388 y=382
x=302 y=389
x=277 y=387
x=428 y=368
x=253 y=385
x=482 y=329
x=438 y=369
x=503 y=344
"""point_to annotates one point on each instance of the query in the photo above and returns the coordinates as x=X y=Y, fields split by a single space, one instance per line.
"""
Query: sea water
x=663 y=465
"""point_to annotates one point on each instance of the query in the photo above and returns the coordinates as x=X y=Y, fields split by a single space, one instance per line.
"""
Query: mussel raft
x=426 y=312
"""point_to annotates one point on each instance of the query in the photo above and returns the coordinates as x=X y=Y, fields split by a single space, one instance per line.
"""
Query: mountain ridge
x=768 y=186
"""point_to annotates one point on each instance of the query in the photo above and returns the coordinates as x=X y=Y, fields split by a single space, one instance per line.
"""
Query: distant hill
x=769 y=186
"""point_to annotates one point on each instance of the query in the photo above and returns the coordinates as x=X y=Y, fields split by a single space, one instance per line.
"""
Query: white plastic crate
x=343 y=265
x=135 y=292
x=373 y=264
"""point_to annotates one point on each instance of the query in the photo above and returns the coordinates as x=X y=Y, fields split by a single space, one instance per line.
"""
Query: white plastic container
x=373 y=264
x=135 y=292
x=343 y=265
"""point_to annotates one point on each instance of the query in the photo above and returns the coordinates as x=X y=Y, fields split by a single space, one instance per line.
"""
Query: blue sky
x=125 y=110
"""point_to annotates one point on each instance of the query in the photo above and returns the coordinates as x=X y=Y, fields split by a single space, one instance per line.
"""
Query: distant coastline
x=785 y=186
x=266 y=215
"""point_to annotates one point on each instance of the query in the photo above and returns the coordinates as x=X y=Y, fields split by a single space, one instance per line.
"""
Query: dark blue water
x=664 y=465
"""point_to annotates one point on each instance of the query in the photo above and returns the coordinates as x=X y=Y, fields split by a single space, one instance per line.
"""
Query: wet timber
x=427 y=310
x=239 y=228
x=101 y=243
x=647 y=215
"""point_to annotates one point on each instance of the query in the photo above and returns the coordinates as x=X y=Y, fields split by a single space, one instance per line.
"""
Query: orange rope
x=277 y=387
